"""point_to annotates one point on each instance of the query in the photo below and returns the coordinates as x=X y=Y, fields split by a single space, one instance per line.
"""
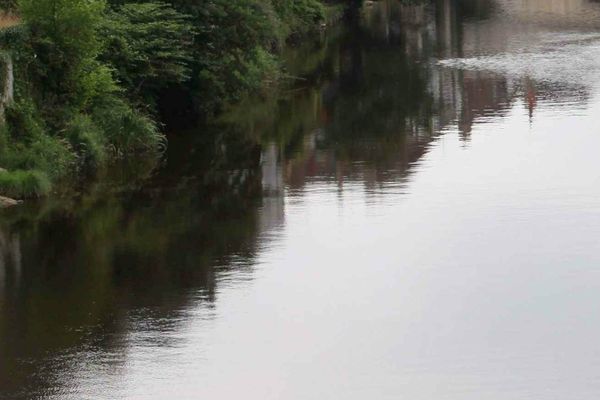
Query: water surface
x=416 y=216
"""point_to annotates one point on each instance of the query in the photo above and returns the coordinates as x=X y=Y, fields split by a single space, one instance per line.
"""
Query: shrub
x=148 y=45
x=28 y=146
x=125 y=128
x=24 y=184
x=299 y=15
x=87 y=140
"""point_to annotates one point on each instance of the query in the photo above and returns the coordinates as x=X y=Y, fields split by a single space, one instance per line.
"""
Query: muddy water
x=416 y=216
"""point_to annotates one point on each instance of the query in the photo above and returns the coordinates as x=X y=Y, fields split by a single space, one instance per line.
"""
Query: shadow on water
x=84 y=279
x=77 y=276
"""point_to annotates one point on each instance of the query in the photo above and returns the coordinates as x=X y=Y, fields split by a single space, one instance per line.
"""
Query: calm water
x=417 y=216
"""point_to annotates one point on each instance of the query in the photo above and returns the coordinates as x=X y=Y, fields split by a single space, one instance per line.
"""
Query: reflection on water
x=415 y=216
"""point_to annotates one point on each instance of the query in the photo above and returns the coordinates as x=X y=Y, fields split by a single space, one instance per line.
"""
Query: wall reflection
x=384 y=98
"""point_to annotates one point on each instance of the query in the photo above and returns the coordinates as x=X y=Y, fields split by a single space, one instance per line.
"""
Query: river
x=415 y=215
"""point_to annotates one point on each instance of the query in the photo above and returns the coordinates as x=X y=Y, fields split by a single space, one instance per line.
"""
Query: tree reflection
x=74 y=271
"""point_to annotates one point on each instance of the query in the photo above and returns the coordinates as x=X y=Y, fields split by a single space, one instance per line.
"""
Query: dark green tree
x=149 y=47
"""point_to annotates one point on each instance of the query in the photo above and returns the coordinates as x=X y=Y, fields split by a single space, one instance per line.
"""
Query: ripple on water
x=571 y=59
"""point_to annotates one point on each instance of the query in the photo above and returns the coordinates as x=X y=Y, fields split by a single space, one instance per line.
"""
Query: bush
x=299 y=15
x=149 y=46
x=8 y=5
x=68 y=110
x=87 y=139
x=65 y=41
x=24 y=184
x=28 y=146
x=125 y=128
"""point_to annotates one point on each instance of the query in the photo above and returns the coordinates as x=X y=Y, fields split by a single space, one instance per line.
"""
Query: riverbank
x=77 y=102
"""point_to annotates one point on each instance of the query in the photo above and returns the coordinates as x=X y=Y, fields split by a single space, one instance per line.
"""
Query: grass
x=24 y=184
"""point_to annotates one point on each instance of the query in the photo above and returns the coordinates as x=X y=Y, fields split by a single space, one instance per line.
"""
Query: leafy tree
x=149 y=46
x=65 y=46
x=85 y=68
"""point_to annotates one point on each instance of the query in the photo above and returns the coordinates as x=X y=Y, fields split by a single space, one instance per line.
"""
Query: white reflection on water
x=553 y=62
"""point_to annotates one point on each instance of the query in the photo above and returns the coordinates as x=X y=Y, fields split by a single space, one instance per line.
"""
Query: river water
x=416 y=215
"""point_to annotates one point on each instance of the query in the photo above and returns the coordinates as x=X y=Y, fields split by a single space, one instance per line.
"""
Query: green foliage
x=126 y=129
x=8 y=4
x=232 y=42
x=65 y=44
x=25 y=145
x=236 y=43
x=89 y=73
x=22 y=120
x=87 y=139
x=68 y=111
x=24 y=183
x=299 y=15
x=149 y=46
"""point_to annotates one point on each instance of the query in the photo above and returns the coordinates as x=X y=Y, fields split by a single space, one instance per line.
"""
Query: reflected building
x=10 y=259
x=388 y=98
x=272 y=211
x=513 y=27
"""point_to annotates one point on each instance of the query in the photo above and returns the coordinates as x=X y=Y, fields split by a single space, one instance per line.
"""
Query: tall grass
x=24 y=184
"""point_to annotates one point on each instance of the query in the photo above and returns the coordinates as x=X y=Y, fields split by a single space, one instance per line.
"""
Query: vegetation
x=89 y=75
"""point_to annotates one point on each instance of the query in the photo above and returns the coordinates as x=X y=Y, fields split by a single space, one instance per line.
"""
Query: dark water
x=416 y=216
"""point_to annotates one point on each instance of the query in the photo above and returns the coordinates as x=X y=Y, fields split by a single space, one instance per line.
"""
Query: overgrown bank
x=89 y=75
